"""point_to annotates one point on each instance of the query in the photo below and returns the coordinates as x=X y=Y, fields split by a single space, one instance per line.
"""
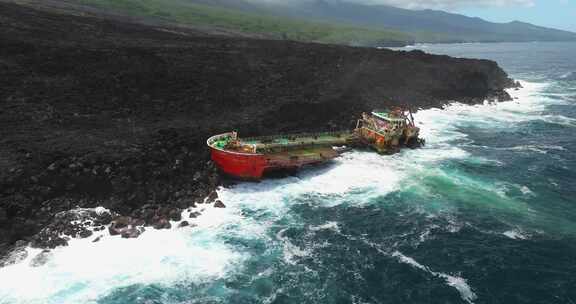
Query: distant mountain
x=322 y=21
x=246 y=18
x=423 y=25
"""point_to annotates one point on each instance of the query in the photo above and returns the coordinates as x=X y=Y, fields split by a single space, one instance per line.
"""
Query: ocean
x=484 y=213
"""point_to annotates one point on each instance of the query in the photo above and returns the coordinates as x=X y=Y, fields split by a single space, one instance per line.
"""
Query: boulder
x=16 y=255
x=84 y=233
x=126 y=227
x=146 y=213
x=175 y=215
x=121 y=222
x=119 y=225
x=138 y=222
x=41 y=258
x=219 y=204
x=74 y=223
x=113 y=231
x=162 y=224
x=212 y=197
x=194 y=214
x=103 y=218
x=132 y=232
x=48 y=239
x=183 y=224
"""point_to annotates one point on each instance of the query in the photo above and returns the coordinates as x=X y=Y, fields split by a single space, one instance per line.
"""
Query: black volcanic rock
x=75 y=223
x=101 y=112
x=41 y=258
x=14 y=255
x=126 y=227
x=162 y=224
x=212 y=196
x=131 y=233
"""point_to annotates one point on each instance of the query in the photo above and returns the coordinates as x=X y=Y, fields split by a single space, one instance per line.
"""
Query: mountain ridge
x=320 y=21
x=426 y=25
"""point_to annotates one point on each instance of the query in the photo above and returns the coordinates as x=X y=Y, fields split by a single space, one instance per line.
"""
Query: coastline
x=211 y=261
x=179 y=212
x=120 y=121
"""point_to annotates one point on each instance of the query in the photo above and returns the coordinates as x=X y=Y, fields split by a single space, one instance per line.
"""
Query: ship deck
x=267 y=143
x=300 y=157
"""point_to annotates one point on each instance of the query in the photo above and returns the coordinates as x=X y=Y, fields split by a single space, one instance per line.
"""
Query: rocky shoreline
x=100 y=114
x=150 y=188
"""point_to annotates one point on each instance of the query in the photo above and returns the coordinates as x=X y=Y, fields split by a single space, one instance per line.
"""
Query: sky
x=559 y=14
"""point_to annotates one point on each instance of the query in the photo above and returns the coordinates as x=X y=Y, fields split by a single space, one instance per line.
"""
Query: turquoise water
x=485 y=213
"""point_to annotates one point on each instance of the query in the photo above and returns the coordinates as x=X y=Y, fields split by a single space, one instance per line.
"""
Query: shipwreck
x=251 y=157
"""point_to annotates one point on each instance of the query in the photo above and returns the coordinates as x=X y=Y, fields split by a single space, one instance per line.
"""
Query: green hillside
x=275 y=27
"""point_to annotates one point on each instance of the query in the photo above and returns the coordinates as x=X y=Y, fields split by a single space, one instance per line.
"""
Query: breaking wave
x=85 y=271
x=458 y=283
x=568 y=76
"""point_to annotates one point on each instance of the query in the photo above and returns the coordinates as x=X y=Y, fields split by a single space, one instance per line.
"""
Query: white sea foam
x=538 y=148
x=326 y=226
x=568 y=76
x=291 y=251
x=353 y=172
x=559 y=120
x=526 y=191
x=101 y=210
x=85 y=271
x=515 y=234
x=526 y=105
x=459 y=283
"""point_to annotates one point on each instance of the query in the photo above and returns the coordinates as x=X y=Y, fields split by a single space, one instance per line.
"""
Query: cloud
x=448 y=4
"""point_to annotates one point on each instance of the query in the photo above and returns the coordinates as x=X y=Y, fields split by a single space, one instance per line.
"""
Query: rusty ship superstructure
x=387 y=131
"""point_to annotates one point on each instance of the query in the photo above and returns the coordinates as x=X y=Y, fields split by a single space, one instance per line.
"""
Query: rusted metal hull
x=386 y=143
x=251 y=159
x=254 y=166
x=382 y=143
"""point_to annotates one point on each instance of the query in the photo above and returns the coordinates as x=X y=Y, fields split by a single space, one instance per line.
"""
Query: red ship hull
x=247 y=166
x=253 y=165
